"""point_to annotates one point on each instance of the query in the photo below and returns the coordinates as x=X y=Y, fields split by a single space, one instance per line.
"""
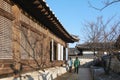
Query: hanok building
x=31 y=36
x=100 y=47
x=79 y=52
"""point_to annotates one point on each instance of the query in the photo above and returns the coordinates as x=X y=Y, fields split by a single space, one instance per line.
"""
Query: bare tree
x=100 y=31
x=101 y=36
x=31 y=50
x=106 y=4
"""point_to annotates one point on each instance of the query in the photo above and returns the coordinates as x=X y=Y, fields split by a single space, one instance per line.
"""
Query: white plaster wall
x=83 y=61
x=58 y=51
x=66 y=53
x=61 y=52
x=52 y=49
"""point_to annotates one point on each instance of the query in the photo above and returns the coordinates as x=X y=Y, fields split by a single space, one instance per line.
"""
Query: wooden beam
x=51 y=19
x=46 y=13
x=30 y=27
x=43 y=10
x=49 y=16
x=37 y=2
x=39 y=7
x=8 y=1
x=6 y=14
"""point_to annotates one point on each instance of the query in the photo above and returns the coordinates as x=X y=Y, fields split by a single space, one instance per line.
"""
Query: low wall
x=96 y=72
x=115 y=65
x=49 y=74
x=83 y=59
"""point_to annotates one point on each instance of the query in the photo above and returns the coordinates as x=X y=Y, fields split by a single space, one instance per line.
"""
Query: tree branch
x=107 y=3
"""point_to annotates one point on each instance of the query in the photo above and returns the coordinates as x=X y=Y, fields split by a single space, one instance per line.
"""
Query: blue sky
x=74 y=13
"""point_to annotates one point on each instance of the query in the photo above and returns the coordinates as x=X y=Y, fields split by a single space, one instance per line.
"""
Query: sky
x=73 y=14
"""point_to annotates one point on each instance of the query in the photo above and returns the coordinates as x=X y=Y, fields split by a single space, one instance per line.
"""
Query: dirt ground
x=84 y=74
x=68 y=76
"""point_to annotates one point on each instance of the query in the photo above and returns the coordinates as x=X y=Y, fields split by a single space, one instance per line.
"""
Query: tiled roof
x=42 y=13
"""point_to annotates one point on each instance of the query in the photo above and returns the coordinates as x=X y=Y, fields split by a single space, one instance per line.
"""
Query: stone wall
x=115 y=65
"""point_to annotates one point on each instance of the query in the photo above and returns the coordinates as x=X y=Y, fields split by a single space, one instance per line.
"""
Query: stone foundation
x=49 y=74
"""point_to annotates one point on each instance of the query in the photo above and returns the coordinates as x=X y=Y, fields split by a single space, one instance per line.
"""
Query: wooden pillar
x=16 y=37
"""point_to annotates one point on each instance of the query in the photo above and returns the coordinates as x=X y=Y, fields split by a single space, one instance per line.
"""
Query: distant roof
x=42 y=13
x=75 y=36
x=98 y=46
